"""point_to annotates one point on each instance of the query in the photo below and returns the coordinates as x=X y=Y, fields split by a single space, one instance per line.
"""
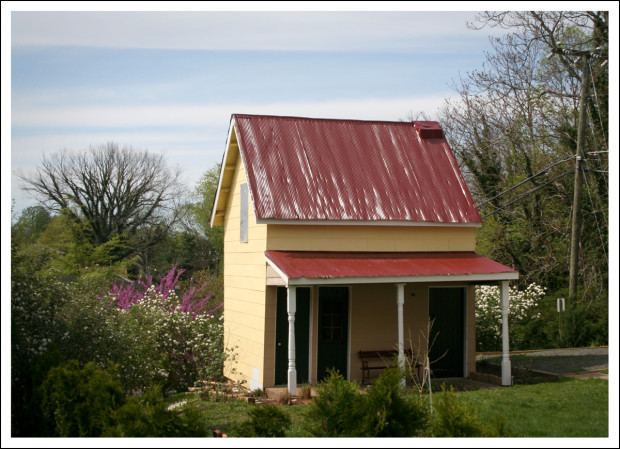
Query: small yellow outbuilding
x=343 y=236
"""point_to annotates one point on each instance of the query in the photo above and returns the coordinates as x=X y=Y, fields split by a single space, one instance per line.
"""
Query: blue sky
x=168 y=81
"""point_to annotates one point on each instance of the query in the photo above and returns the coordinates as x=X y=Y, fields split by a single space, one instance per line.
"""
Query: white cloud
x=215 y=115
x=247 y=30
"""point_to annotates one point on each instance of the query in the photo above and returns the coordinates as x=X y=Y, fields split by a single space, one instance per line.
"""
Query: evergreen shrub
x=80 y=401
x=265 y=421
x=151 y=416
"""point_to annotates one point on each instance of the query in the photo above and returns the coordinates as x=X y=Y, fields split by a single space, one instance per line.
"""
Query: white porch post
x=505 y=301
x=291 y=306
x=400 y=301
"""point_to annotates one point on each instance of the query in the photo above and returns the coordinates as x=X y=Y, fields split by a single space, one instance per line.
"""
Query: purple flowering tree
x=169 y=340
x=194 y=301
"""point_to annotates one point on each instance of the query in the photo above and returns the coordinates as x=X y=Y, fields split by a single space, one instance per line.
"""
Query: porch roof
x=306 y=267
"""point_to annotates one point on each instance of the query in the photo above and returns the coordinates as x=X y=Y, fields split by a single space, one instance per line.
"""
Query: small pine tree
x=391 y=411
x=454 y=419
x=335 y=410
x=80 y=401
x=265 y=421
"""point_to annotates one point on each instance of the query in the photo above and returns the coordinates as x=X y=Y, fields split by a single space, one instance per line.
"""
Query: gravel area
x=558 y=361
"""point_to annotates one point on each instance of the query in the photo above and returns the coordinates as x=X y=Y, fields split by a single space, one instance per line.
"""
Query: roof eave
x=276 y=221
x=439 y=278
x=214 y=211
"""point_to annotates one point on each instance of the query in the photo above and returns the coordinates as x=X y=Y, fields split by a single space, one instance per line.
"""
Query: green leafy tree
x=74 y=252
x=30 y=225
x=200 y=210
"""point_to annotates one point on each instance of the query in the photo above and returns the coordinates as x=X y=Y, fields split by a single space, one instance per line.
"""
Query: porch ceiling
x=305 y=267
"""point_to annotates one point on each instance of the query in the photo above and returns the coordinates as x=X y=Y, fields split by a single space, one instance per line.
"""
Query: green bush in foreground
x=453 y=418
x=387 y=410
x=150 y=416
x=80 y=401
x=265 y=421
x=391 y=411
x=337 y=408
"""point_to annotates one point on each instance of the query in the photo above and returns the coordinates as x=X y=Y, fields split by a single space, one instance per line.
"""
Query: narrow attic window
x=244 y=213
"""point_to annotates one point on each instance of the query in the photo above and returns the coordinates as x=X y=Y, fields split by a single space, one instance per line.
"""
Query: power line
x=598 y=200
x=529 y=193
x=594 y=135
x=598 y=109
x=596 y=219
x=544 y=171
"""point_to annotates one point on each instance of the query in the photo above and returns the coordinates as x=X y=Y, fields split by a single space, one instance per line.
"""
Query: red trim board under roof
x=375 y=266
x=305 y=169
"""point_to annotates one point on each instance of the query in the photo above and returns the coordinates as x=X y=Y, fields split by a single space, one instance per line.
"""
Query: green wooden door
x=333 y=332
x=302 y=336
x=447 y=313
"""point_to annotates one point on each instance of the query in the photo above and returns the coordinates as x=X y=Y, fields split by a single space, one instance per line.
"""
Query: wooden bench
x=372 y=360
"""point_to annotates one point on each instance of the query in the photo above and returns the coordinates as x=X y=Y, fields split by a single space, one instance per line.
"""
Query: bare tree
x=513 y=129
x=111 y=190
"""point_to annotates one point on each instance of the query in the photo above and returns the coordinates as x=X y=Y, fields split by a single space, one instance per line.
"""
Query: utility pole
x=576 y=218
x=579 y=155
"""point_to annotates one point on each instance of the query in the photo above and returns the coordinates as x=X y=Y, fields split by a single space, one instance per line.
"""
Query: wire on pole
x=542 y=172
x=529 y=193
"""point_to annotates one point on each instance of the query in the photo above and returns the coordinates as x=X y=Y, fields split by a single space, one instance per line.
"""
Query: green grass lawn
x=568 y=408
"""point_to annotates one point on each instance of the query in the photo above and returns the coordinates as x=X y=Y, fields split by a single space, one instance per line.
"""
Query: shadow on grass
x=523 y=373
x=526 y=366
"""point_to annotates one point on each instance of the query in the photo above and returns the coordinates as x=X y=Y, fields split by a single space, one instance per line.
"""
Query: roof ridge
x=292 y=117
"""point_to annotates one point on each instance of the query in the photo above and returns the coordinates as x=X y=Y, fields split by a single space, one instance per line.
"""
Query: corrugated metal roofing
x=332 y=265
x=324 y=169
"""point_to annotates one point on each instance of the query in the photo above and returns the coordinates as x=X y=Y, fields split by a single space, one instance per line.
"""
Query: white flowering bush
x=87 y=335
x=36 y=301
x=523 y=309
x=165 y=343
x=35 y=304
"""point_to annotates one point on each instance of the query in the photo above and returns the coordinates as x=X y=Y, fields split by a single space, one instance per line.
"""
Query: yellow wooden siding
x=370 y=238
x=244 y=284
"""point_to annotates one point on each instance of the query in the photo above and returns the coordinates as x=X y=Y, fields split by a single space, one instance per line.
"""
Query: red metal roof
x=332 y=265
x=324 y=169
